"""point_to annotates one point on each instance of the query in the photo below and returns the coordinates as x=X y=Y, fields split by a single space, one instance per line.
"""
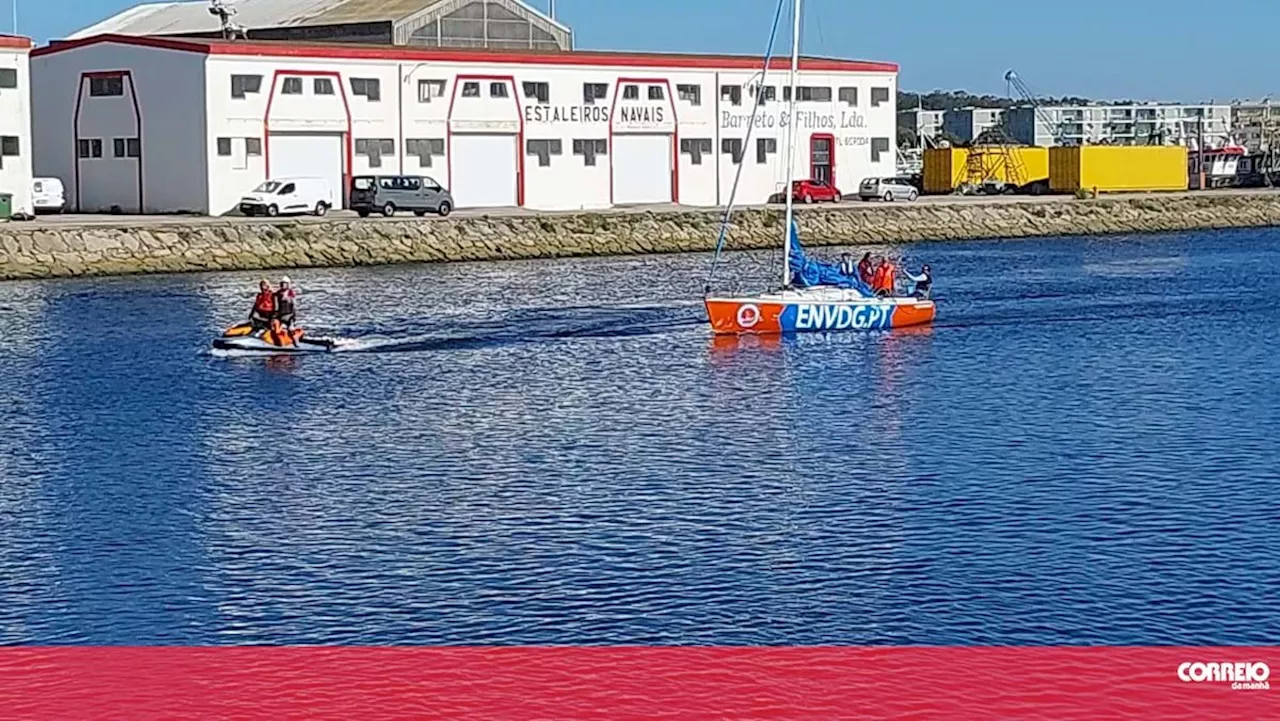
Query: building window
x=424 y=149
x=374 y=149
x=544 y=149
x=107 y=85
x=126 y=147
x=591 y=92
x=691 y=94
x=657 y=92
x=879 y=96
x=879 y=146
x=764 y=93
x=808 y=94
x=224 y=147
x=538 y=91
x=630 y=92
x=471 y=90
x=849 y=96
x=242 y=85
x=9 y=146
x=731 y=94
x=291 y=86
x=765 y=147
x=429 y=89
x=322 y=86
x=732 y=146
x=89 y=148
x=8 y=78
x=370 y=88
x=498 y=90
x=695 y=148
x=589 y=149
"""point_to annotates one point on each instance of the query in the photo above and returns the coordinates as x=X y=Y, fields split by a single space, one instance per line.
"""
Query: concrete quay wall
x=48 y=249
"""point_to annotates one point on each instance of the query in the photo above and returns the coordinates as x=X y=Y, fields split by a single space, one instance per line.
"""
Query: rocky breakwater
x=57 y=249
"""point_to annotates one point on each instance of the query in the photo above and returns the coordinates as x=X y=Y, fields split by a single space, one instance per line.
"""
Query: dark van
x=388 y=193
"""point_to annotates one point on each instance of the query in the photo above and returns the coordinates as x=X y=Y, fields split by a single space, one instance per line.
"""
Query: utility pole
x=553 y=9
x=1200 y=149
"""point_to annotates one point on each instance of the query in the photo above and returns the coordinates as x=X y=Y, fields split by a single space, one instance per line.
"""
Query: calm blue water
x=1083 y=450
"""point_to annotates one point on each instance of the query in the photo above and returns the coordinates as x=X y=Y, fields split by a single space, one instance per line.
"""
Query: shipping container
x=1017 y=168
x=1117 y=168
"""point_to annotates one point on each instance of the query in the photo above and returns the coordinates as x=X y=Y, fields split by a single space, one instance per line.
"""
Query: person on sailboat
x=846 y=265
x=924 y=282
x=866 y=268
x=884 y=278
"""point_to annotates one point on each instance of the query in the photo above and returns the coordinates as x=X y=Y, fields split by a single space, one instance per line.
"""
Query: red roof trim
x=371 y=52
x=15 y=41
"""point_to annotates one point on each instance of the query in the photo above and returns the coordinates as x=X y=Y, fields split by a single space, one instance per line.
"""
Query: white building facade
x=969 y=123
x=15 y=122
x=1149 y=124
x=157 y=125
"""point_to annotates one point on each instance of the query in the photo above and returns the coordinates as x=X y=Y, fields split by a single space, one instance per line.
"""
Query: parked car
x=388 y=193
x=815 y=191
x=289 y=196
x=48 y=195
x=888 y=189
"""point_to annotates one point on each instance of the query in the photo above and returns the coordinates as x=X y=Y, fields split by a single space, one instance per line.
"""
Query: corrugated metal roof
x=179 y=18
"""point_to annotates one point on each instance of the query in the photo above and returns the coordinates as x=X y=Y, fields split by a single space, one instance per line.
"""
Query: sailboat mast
x=791 y=148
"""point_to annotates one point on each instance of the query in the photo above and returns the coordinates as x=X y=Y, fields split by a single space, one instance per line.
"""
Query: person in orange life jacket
x=264 y=306
x=286 y=308
x=924 y=282
x=885 y=278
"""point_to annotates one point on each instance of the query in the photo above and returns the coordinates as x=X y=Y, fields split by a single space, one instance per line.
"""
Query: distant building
x=1256 y=125
x=493 y=24
x=968 y=124
x=925 y=124
x=1145 y=124
x=15 y=122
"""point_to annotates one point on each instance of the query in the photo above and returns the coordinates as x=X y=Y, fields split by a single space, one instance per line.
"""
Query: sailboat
x=815 y=296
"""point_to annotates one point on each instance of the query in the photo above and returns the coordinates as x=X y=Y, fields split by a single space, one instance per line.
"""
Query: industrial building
x=926 y=124
x=158 y=125
x=968 y=124
x=15 y=123
x=1147 y=124
x=494 y=24
x=1256 y=124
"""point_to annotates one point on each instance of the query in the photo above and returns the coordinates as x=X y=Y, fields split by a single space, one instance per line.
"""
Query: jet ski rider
x=264 y=306
x=285 y=307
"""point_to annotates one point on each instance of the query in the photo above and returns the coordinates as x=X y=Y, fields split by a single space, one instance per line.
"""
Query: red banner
x=637 y=683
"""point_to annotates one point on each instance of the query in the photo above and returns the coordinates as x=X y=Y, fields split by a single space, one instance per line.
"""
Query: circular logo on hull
x=748 y=315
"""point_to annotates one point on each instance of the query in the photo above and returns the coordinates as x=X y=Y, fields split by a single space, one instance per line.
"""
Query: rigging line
x=756 y=104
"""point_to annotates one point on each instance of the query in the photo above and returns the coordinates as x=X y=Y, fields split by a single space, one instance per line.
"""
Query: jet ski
x=243 y=337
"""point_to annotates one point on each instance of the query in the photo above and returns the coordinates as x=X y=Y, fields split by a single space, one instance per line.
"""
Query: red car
x=814 y=191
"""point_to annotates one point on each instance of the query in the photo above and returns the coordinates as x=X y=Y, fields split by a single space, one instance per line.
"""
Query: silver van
x=388 y=193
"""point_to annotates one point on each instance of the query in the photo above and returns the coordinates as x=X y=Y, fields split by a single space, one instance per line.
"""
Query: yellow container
x=1117 y=168
x=946 y=169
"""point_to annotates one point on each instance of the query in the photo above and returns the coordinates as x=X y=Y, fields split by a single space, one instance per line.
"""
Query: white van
x=286 y=196
x=48 y=195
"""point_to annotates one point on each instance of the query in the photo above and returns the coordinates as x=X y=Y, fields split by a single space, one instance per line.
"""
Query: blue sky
x=1141 y=49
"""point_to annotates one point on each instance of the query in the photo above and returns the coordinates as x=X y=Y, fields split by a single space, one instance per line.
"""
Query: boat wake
x=526 y=326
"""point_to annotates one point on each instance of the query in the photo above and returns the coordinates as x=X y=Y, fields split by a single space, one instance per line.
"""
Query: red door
x=822 y=159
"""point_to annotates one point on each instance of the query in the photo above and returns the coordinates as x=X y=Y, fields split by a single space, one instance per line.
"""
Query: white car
x=887 y=189
x=48 y=195
x=289 y=196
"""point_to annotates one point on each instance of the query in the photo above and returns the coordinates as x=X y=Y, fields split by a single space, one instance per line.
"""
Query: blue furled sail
x=807 y=273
